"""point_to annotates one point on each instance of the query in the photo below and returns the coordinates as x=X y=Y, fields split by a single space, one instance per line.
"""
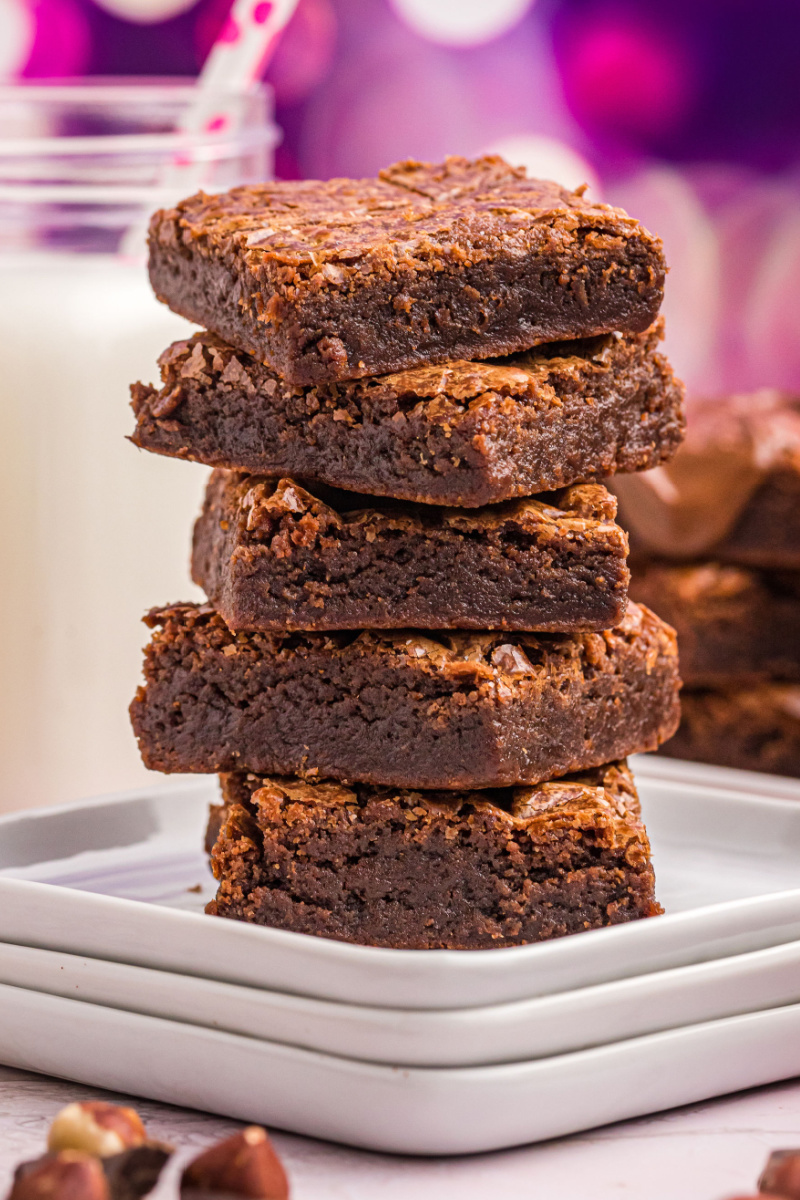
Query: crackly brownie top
x=413 y=215
x=607 y=792
x=263 y=504
x=207 y=363
x=497 y=659
x=733 y=443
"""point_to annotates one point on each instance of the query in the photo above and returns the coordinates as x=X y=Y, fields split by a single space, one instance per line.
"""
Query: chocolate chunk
x=136 y=1171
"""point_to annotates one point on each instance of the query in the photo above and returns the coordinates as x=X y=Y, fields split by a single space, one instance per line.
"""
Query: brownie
x=466 y=434
x=402 y=709
x=755 y=728
x=733 y=624
x=433 y=870
x=733 y=491
x=274 y=556
x=347 y=278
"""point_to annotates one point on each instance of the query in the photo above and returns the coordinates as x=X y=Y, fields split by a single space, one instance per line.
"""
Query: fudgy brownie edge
x=279 y=557
x=350 y=278
x=401 y=708
x=466 y=434
x=428 y=870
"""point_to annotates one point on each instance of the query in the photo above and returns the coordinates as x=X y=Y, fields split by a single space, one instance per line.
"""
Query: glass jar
x=93 y=532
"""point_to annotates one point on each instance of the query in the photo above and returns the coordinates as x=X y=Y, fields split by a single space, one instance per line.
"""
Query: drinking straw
x=236 y=61
x=234 y=64
x=246 y=43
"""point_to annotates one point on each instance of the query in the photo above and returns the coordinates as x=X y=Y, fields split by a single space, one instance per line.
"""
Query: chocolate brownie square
x=733 y=491
x=755 y=728
x=275 y=556
x=733 y=624
x=425 y=264
x=402 y=709
x=466 y=434
x=433 y=870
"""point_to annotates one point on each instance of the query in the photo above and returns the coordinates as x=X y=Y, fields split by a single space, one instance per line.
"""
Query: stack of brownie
x=416 y=672
x=716 y=544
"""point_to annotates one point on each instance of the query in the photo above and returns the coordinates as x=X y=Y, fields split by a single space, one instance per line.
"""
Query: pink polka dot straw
x=245 y=46
x=235 y=63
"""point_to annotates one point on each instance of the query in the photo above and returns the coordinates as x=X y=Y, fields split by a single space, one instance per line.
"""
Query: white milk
x=93 y=531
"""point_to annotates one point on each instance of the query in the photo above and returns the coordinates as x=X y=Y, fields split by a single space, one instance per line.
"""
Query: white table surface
x=703 y=1152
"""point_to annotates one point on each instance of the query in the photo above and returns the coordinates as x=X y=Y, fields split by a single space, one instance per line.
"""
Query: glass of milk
x=93 y=532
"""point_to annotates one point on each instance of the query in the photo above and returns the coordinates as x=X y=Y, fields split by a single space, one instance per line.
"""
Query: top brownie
x=348 y=278
x=732 y=493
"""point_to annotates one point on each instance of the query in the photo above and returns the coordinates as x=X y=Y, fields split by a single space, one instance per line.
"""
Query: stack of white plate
x=111 y=975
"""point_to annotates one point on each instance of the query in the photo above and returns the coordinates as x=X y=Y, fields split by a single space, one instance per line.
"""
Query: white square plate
x=407 y=1110
x=118 y=878
x=456 y=1037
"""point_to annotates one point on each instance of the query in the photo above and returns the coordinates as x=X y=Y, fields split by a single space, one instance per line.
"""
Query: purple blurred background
x=687 y=112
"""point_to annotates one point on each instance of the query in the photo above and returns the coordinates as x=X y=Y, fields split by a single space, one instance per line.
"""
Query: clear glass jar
x=93 y=532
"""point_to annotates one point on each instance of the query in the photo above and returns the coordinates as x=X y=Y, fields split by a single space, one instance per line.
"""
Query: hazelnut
x=781 y=1175
x=243 y=1165
x=70 y=1175
x=96 y=1127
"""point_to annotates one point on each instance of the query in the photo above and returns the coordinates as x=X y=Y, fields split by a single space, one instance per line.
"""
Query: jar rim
x=118 y=87
x=204 y=146
x=133 y=93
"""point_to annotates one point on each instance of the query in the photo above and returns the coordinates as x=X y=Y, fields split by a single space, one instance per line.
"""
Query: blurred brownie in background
x=731 y=493
x=715 y=545
x=734 y=624
x=756 y=728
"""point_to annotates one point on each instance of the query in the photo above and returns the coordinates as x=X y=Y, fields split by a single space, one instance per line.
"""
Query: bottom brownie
x=432 y=870
x=753 y=728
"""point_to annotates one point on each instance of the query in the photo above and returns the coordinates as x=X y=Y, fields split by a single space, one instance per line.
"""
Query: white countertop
x=702 y=1152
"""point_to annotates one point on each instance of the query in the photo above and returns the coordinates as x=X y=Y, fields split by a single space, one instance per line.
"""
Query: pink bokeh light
x=626 y=76
x=61 y=43
x=770 y=313
x=230 y=31
x=304 y=53
x=732 y=241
